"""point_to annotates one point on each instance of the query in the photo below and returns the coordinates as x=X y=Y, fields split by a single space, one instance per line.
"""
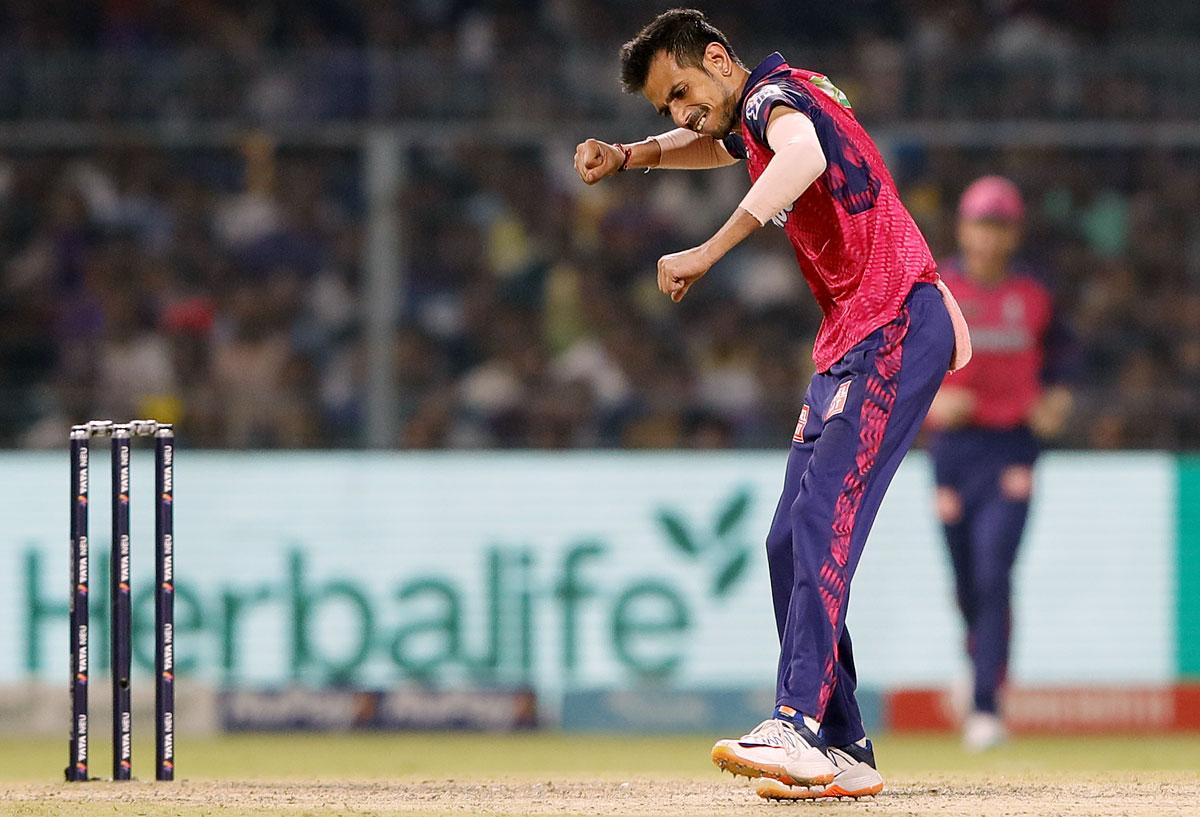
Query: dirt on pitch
x=983 y=796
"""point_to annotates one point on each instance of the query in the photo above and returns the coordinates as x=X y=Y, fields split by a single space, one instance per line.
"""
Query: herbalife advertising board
x=569 y=571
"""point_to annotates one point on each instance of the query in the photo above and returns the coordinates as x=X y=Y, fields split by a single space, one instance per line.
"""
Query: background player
x=989 y=418
x=885 y=343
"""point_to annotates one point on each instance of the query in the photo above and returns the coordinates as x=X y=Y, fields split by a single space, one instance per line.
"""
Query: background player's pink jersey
x=857 y=245
x=1009 y=326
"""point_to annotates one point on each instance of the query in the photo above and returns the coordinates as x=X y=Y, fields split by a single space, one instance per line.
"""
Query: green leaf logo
x=730 y=573
x=732 y=513
x=677 y=533
x=724 y=549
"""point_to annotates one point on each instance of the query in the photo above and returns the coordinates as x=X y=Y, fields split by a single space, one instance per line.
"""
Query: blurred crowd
x=221 y=286
x=305 y=61
x=224 y=290
x=534 y=314
x=211 y=288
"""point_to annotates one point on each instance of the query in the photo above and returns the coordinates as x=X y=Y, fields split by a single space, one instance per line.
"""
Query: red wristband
x=627 y=151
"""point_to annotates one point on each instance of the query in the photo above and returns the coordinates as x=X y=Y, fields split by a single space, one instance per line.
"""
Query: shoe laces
x=842 y=759
x=775 y=732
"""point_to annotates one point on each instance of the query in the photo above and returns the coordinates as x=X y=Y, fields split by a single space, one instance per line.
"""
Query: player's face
x=699 y=99
x=989 y=244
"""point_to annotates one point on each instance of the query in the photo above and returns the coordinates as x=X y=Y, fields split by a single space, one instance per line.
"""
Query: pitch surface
x=309 y=776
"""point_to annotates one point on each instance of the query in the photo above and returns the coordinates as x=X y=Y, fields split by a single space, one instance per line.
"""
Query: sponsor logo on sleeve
x=755 y=102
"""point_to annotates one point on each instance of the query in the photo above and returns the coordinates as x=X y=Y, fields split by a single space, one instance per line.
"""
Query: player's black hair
x=683 y=33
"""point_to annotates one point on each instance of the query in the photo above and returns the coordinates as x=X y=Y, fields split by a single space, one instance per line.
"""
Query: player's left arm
x=1061 y=368
x=797 y=163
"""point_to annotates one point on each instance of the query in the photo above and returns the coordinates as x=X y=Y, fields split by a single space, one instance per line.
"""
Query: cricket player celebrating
x=890 y=333
x=989 y=421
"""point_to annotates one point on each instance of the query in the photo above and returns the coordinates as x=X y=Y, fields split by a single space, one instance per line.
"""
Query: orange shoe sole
x=772 y=792
x=727 y=761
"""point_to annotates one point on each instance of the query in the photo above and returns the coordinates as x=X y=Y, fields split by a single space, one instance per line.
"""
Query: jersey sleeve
x=1063 y=356
x=765 y=97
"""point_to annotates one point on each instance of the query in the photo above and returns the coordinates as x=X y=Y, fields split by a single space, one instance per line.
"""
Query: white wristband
x=683 y=149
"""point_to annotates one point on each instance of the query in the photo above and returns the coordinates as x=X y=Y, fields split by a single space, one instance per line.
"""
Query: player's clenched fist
x=679 y=270
x=595 y=159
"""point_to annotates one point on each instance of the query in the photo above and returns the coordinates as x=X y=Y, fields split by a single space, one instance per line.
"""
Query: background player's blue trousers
x=984 y=479
x=859 y=419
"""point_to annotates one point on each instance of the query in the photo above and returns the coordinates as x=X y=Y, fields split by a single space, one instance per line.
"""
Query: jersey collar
x=761 y=71
x=733 y=142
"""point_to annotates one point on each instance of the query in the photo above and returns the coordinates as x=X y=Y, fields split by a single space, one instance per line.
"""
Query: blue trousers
x=858 y=420
x=984 y=480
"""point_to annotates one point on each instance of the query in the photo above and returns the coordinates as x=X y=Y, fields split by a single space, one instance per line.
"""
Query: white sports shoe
x=983 y=731
x=778 y=749
x=856 y=778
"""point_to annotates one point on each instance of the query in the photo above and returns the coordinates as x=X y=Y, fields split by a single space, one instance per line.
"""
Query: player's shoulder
x=1023 y=280
x=773 y=92
x=773 y=83
x=1029 y=279
x=950 y=267
x=1030 y=286
x=787 y=86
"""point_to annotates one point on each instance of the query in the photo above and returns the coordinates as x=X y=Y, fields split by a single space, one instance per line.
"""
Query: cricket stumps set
x=122 y=435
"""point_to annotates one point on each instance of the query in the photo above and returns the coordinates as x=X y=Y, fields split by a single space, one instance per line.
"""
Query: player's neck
x=985 y=273
x=738 y=79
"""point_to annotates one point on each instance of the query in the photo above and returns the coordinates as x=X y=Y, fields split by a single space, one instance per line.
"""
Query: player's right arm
x=680 y=149
x=1060 y=372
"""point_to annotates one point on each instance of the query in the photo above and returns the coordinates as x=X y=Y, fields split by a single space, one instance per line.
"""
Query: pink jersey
x=1010 y=323
x=857 y=245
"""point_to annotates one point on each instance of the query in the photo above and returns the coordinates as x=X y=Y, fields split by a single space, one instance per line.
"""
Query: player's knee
x=1016 y=483
x=949 y=505
x=992 y=588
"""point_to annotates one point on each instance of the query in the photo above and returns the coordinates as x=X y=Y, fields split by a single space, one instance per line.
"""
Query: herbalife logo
x=721 y=547
x=584 y=606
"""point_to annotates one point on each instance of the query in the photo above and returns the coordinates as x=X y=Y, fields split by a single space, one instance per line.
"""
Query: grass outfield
x=558 y=774
x=382 y=756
